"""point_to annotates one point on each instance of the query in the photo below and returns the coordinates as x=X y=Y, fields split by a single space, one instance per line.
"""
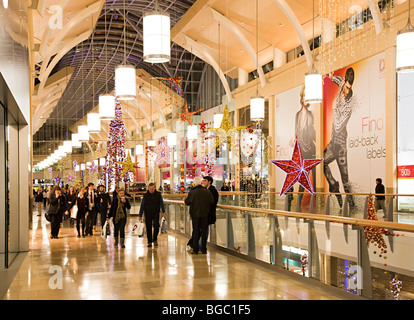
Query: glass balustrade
x=337 y=246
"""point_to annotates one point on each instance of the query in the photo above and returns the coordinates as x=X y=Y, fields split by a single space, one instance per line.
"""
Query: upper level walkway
x=92 y=268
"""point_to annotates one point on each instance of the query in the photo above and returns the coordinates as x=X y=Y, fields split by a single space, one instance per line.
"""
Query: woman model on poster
x=306 y=134
x=336 y=150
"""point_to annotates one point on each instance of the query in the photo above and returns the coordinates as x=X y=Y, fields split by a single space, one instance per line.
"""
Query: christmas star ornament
x=163 y=153
x=202 y=126
x=186 y=115
x=297 y=170
x=128 y=165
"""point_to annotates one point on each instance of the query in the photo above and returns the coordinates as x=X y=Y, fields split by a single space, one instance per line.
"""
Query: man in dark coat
x=200 y=201
x=208 y=184
x=91 y=215
x=103 y=203
x=57 y=207
x=151 y=205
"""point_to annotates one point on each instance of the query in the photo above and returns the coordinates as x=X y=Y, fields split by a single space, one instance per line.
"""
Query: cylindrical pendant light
x=83 y=133
x=218 y=118
x=106 y=107
x=257 y=108
x=171 y=139
x=139 y=149
x=192 y=132
x=405 y=47
x=94 y=123
x=125 y=82
x=313 y=78
x=151 y=143
x=67 y=147
x=156 y=37
x=313 y=87
x=75 y=141
x=102 y=161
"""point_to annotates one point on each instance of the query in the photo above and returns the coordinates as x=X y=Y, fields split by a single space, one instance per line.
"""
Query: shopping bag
x=138 y=229
x=164 y=226
x=74 y=212
x=47 y=215
x=105 y=230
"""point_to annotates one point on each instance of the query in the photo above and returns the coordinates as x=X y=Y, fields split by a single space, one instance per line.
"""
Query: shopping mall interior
x=106 y=105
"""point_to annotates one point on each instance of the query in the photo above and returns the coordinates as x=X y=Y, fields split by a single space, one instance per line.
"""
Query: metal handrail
x=326 y=218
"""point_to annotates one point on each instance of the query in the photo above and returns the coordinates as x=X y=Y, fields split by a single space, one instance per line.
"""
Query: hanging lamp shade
x=192 y=132
x=67 y=147
x=151 y=143
x=257 y=108
x=405 y=47
x=313 y=86
x=218 y=118
x=171 y=139
x=75 y=141
x=139 y=149
x=94 y=123
x=83 y=133
x=156 y=37
x=106 y=107
x=125 y=82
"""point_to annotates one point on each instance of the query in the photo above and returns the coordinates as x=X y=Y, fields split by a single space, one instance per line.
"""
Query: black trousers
x=55 y=224
x=80 y=219
x=200 y=230
x=90 y=220
x=152 y=220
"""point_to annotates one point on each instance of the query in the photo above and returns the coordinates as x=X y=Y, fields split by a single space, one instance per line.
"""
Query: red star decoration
x=186 y=116
x=203 y=126
x=297 y=170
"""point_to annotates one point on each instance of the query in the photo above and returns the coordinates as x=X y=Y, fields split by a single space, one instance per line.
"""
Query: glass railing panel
x=220 y=229
x=171 y=209
x=335 y=256
x=262 y=236
x=292 y=244
x=390 y=263
x=239 y=230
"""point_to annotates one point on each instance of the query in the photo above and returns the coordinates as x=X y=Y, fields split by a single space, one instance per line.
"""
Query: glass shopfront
x=3 y=190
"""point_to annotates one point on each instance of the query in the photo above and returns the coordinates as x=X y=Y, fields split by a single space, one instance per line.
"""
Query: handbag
x=74 y=212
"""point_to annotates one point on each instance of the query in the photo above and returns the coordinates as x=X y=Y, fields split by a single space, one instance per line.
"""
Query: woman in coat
x=70 y=202
x=57 y=207
x=81 y=202
x=118 y=212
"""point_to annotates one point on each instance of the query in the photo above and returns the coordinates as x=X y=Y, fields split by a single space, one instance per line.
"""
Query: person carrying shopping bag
x=118 y=212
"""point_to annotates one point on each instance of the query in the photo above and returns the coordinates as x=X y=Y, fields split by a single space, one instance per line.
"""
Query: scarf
x=119 y=214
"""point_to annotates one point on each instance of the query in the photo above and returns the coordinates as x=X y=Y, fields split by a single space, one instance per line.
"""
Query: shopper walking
x=152 y=203
x=81 y=201
x=92 y=210
x=200 y=201
x=103 y=204
x=57 y=206
x=380 y=200
x=208 y=184
x=118 y=212
x=39 y=202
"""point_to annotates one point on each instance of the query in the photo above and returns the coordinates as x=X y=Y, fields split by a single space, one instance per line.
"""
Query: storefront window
x=405 y=143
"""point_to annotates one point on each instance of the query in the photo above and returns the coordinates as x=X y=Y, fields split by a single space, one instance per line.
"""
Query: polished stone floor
x=71 y=268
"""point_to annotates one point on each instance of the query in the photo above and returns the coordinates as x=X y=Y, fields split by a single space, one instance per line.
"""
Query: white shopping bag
x=164 y=226
x=138 y=229
x=74 y=212
x=105 y=230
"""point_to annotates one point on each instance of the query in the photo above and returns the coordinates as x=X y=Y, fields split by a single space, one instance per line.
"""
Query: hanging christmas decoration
x=304 y=261
x=203 y=126
x=175 y=83
x=375 y=235
x=297 y=170
x=70 y=179
x=116 y=148
x=209 y=162
x=186 y=115
x=396 y=286
x=57 y=179
x=127 y=166
x=93 y=168
x=163 y=152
